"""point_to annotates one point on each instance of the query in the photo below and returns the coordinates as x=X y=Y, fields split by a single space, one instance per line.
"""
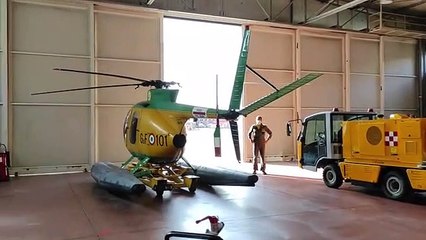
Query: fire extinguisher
x=4 y=163
x=215 y=225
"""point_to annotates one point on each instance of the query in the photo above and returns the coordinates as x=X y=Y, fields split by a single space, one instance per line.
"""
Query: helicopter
x=154 y=134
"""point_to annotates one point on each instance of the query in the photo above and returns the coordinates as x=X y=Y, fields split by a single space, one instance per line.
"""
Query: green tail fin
x=275 y=95
x=241 y=72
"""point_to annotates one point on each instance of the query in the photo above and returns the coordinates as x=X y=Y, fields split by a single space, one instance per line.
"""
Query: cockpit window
x=133 y=128
x=126 y=124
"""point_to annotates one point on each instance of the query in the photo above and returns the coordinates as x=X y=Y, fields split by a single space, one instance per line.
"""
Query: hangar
x=370 y=54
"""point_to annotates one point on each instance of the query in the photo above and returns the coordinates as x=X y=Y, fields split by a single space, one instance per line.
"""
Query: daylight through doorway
x=195 y=53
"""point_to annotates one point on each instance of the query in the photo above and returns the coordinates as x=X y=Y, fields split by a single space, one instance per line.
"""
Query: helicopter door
x=314 y=144
x=134 y=128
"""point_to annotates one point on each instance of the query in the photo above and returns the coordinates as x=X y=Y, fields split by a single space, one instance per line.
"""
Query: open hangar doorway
x=195 y=52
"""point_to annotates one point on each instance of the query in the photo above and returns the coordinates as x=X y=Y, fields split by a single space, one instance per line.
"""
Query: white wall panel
x=255 y=88
x=44 y=37
x=110 y=136
x=127 y=95
x=309 y=111
x=401 y=93
x=45 y=29
x=32 y=73
x=364 y=79
x=400 y=81
x=365 y=92
x=400 y=58
x=271 y=49
x=125 y=37
x=364 y=56
x=321 y=54
x=49 y=136
x=127 y=43
x=326 y=91
x=280 y=145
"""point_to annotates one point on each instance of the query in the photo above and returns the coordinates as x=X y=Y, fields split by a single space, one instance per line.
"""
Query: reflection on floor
x=280 y=207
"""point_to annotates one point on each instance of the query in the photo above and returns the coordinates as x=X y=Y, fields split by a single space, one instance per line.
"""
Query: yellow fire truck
x=363 y=147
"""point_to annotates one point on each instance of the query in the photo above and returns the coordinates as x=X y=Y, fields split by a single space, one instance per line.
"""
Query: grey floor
x=66 y=207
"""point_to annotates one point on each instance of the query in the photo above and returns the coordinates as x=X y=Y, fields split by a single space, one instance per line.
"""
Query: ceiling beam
x=412 y=5
x=263 y=10
x=282 y=10
x=336 y=10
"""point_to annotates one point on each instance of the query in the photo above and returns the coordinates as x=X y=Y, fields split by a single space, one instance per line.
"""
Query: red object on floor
x=4 y=163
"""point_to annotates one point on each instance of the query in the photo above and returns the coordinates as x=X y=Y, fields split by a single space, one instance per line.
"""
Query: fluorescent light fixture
x=386 y=1
x=149 y=2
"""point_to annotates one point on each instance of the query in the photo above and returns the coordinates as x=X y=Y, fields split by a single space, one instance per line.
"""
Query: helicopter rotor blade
x=102 y=74
x=235 y=139
x=87 y=88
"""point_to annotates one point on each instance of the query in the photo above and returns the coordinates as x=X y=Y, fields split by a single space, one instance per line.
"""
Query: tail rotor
x=216 y=135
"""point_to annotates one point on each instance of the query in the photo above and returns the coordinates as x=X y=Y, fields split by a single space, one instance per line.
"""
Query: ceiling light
x=386 y=1
x=150 y=2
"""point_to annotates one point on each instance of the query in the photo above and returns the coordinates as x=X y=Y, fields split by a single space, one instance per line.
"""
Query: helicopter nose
x=179 y=140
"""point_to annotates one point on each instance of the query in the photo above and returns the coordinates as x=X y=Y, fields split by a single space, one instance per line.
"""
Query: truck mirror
x=288 y=129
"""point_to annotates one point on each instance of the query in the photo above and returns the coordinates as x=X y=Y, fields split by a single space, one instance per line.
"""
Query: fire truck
x=365 y=149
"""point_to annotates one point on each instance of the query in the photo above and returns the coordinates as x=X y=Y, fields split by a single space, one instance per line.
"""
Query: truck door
x=313 y=140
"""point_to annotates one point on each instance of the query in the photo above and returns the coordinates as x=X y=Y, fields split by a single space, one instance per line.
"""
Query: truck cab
x=320 y=139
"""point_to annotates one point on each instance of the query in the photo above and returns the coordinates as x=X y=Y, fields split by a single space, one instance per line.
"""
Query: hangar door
x=3 y=72
x=401 y=83
x=272 y=54
x=280 y=55
x=69 y=131
x=383 y=75
x=322 y=53
x=48 y=130
x=365 y=84
x=133 y=50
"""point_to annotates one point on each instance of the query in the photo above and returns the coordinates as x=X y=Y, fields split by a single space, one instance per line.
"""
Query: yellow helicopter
x=154 y=134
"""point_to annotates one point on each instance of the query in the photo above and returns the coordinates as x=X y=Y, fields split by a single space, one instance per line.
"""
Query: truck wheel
x=395 y=186
x=332 y=176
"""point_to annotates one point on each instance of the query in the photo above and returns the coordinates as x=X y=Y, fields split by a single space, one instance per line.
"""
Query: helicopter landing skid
x=163 y=177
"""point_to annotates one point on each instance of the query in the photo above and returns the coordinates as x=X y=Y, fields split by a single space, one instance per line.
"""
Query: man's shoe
x=264 y=173
x=254 y=172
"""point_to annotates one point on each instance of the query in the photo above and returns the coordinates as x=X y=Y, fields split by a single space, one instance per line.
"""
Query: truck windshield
x=336 y=123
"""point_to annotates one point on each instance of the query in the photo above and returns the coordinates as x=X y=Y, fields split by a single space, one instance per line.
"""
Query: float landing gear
x=162 y=177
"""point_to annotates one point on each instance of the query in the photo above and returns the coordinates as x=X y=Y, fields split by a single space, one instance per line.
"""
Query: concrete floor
x=66 y=207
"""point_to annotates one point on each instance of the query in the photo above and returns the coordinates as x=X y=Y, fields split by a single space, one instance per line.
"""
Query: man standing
x=257 y=136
